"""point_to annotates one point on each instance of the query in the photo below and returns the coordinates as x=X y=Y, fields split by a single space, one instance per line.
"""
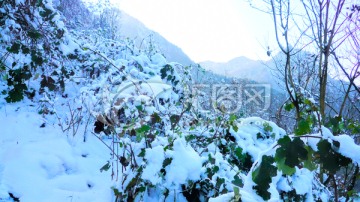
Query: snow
x=348 y=147
x=42 y=164
x=312 y=142
x=155 y=158
x=152 y=87
x=19 y=2
x=302 y=181
x=224 y=197
x=142 y=59
x=158 y=59
x=68 y=46
x=283 y=184
x=247 y=139
x=186 y=164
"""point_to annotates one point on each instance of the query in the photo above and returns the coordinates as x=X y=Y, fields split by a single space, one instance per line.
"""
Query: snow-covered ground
x=38 y=162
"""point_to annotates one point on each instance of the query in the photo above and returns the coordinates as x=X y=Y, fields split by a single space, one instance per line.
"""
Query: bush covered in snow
x=164 y=149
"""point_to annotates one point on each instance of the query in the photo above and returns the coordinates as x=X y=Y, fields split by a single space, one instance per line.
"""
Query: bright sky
x=206 y=29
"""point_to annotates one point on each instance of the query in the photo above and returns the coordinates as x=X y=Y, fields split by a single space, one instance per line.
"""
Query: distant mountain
x=241 y=67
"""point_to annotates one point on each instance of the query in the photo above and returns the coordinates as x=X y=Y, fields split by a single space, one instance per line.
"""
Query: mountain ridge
x=133 y=28
x=242 y=67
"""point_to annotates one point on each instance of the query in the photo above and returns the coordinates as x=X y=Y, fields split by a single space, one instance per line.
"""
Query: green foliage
x=237 y=181
x=168 y=73
x=289 y=106
x=285 y=169
x=36 y=58
x=33 y=34
x=267 y=127
x=267 y=133
x=303 y=126
x=237 y=196
x=336 y=124
x=238 y=153
x=330 y=160
x=14 y=48
x=262 y=176
x=354 y=127
x=16 y=94
x=16 y=79
x=236 y=156
x=290 y=153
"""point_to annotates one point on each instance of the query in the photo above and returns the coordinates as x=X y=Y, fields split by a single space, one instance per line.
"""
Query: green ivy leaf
x=34 y=34
x=140 y=132
x=211 y=159
x=116 y=191
x=267 y=127
x=238 y=153
x=105 y=167
x=167 y=161
x=25 y=50
x=292 y=151
x=232 y=117
x=288 y=107
x=329 y=158
x=219 y=182
x=142 y=189
x=237 y=181
x=14 y=48
x=336 y=124
x=190 y=137
x=235 y=127
x=36 y=58
x=287 y=170
x=303 y=127
x=14 y=95
x=142 y=153
x=262 y=176
x=143 y=129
